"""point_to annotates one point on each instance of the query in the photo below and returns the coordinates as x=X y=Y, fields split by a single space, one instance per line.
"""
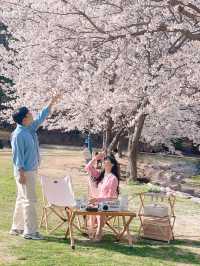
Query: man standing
x=26 y=159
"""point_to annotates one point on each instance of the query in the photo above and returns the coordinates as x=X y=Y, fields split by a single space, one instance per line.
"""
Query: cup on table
x=81 y=203
x=78 y=203
x=124 y=203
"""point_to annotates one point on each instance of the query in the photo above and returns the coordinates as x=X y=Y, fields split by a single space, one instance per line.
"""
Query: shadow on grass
x=175 y=252
x=177 y=242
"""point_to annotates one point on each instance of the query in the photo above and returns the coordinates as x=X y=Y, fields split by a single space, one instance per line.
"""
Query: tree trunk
x=134 y=138
x=119 y=148
x=132 y=161
x=115 y=140
x=104 y=139
x=108 y=134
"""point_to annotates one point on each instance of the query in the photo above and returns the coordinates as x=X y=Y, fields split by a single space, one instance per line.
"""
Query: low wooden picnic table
x=127 y=217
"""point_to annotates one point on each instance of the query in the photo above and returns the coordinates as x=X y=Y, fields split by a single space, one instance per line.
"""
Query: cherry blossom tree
x=123 y=66
x=6 y=68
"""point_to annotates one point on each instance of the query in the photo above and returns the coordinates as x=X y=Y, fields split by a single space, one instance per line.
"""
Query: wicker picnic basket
x=157 y=228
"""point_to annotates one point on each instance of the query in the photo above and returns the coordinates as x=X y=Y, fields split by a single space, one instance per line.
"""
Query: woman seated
x=106 y=186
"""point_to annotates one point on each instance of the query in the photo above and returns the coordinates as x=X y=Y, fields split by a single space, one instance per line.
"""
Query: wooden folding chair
x=58 y=198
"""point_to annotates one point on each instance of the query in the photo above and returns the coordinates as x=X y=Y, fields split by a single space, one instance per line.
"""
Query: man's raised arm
x=44 y=113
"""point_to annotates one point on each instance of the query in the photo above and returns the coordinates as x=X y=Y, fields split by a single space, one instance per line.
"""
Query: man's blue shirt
x=25 y=145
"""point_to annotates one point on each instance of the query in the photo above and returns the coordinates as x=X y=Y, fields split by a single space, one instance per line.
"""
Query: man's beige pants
x=25 y=217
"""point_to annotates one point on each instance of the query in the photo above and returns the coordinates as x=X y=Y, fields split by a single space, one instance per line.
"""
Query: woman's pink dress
x=107 y=188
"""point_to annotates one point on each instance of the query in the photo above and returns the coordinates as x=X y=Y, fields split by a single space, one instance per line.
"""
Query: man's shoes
x=16 y=232
x=35 y=236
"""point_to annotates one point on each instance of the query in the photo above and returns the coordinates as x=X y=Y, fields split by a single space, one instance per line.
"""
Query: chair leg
x=140 y=228
x=171 y=228
x=68 y=220
x=72 y=216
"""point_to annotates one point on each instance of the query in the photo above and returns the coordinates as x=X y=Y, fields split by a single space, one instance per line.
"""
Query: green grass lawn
x=55 y=251
x=195 y=180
